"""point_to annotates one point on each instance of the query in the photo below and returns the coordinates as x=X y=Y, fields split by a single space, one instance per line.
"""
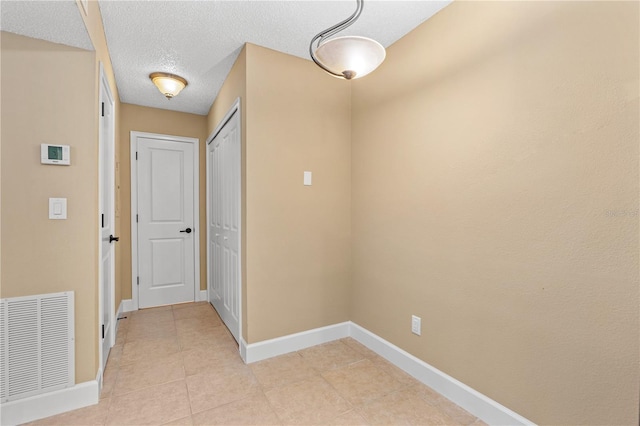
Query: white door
x=166 y=221
x=223 y=182
x=107 y=219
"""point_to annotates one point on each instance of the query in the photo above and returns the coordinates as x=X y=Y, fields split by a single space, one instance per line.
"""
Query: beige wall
x=48 y=96
x=297 y=237
x=154 y=120
x=489 y=152
x=235 y=87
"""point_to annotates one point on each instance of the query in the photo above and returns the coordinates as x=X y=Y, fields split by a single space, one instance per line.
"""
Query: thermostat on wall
x=55 y=154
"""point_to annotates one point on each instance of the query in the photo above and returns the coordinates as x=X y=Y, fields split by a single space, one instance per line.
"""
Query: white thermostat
x=55 y=154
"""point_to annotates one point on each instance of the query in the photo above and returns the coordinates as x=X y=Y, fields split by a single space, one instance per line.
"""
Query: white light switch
x=57 y=208
x=307 y=178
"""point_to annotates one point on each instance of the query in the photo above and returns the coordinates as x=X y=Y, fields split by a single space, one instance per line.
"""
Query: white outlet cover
x=307 y=178
x=416 y=325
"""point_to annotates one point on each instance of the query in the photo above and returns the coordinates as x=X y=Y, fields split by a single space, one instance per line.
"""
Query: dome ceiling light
x=168 y=84
x=346 y=57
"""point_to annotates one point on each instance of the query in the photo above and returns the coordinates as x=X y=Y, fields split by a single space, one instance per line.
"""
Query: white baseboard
x=243 y=350
x=126 y=305
x=99 y=377
x=471 y=400
x=294 y=342
x=49 y=404
x=481 y=406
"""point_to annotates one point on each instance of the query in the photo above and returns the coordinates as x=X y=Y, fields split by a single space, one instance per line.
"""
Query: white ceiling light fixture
x=346 y=57
x=168 y=84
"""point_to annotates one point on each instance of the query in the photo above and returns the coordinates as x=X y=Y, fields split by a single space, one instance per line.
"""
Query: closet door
x=223 y=186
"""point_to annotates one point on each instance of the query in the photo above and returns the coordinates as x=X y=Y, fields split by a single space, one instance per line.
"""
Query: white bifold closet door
x=223 y=186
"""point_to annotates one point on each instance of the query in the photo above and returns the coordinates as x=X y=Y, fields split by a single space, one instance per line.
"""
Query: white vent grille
x=37 y=344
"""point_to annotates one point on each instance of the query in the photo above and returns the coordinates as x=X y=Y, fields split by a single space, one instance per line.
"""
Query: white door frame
x=104 y=84
x=235 y=109
x=134 y=210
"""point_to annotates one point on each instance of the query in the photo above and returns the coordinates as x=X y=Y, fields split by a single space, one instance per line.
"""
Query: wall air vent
x=36 y=345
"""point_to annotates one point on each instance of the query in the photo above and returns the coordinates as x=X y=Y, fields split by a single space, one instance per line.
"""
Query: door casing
x=134 y=135
x=235 y=109
x=110 y=188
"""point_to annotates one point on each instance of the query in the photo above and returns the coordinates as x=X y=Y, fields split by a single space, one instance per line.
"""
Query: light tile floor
x=179 y=365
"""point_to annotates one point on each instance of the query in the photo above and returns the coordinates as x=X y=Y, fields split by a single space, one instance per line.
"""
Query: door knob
x=188 y=230
x=112 y=238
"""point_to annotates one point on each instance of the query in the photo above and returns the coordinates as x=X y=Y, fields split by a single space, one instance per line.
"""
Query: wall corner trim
x=49 y=404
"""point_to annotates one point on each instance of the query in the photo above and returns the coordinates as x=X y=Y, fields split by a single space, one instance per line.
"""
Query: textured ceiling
x=200 y=40
x=55 y=21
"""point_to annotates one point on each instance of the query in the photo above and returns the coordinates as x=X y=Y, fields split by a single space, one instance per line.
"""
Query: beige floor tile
x=147 y=331
x=216 y=388
x=162 y=333
x=254 y=410
x=394 y=371
x=338 y=383
x=156 y=405
x=185 y=421
x=123 y=322
x=108 y=380
x=92 y=415
x=350 y=418
x=205 y=339
x=282 y=370
x=147 y=373
x=456 y=412
x=308 y=402
x=361 y=382
x=203 y=360
x=199 y=310
x=188 y=305
x=359 y=347
x=403 y=407
x=145 y=350
x=330 y=355
x=428 y=394
x=115 y=354
x=205 y=323
x=162 y=313
x=120 y=338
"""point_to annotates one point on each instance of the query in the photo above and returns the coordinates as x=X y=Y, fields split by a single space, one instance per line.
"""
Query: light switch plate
x=307 y=178
x=57 y=208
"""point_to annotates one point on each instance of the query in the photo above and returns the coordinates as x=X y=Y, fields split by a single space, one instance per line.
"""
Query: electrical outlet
x=416 y=325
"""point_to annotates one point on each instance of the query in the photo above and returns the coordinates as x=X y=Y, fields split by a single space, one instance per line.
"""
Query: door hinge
x=138 y=280
x=103 y=220
x=136 y=218
x=103 y=331
x=103 y=109
x=136 y=155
